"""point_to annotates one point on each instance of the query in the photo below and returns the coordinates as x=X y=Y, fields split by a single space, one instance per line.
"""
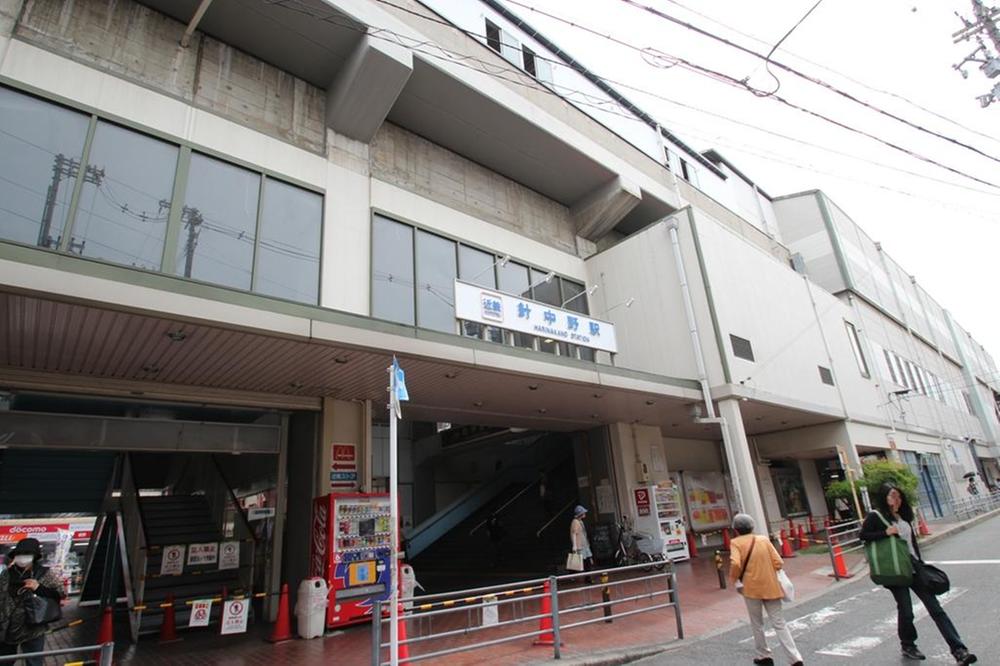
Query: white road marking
x=826 y=615
x=885 y=627
x=950 y=562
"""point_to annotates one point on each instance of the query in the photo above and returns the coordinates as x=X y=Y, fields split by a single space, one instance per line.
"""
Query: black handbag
x=41 y=610
x=932 y=579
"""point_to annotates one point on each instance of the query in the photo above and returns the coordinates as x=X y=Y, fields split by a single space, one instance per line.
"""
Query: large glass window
x=436 y=271
x=548 y=292
x=477 y=267
x=514 y=280
x=859 y=356
x=575 y=300
x=40 y=150
x=392 y=271
x=219 y=223
x=125 y=199
x=288 y=252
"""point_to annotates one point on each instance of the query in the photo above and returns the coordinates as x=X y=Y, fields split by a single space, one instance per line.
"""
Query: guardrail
x=484 y=608
x=103 y=654
x=969 y=507
x=842 y=540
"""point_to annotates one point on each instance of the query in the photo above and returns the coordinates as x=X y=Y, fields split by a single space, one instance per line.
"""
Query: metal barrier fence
x=103 y=656
x=969 y=507
x=482 y=607
x=842 y=539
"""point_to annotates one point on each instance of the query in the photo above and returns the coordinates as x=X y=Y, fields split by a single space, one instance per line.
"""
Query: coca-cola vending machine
x=351 y=550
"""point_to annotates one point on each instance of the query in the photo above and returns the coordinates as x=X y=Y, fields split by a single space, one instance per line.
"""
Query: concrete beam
x=600 y=211
x=363 y=92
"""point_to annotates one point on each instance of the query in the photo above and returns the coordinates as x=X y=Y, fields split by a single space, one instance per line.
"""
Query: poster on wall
x=343 y=467
x=791 y=492
x=706 y=501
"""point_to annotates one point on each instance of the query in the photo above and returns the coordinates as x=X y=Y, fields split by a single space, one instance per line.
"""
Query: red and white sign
x=344 y=453
x=9 y=533
x=203 y=553
x=229 y=555
x=343 y=467
x=201 y=611
x=173 y=561
x=642 y=501
x=234 y=616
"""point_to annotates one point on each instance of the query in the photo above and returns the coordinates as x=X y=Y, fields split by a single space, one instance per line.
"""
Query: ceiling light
x=477 y=403
x=150 y=369
x=595 y=416
x=542 y=410
x=650 y=402
x=532 y=387
x=784 y=423
x=450 y=375
x=598 y=396
x=341 y=360
x=177 y=336
x=295 y=385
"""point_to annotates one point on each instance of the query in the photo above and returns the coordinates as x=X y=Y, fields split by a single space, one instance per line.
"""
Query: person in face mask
x=23 y=576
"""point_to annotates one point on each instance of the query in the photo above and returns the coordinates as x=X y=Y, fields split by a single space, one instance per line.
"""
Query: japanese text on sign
x=234 y=616
x=172 y=563
x=203 y=553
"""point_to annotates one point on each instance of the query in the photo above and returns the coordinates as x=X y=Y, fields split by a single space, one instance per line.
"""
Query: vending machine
x=659 y=513
x=351 y=550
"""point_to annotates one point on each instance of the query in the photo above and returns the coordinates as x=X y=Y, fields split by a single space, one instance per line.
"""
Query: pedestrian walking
x=578 y=539
x=892 y=518
x=20 y=583
x=753 y=571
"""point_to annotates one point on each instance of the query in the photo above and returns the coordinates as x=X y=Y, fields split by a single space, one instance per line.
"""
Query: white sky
x=947 y=235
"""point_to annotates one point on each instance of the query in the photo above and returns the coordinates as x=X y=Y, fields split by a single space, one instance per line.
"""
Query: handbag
x=574 y=562
x=889 y=560
x=787 y=586
x=41 y=610
x=931 y=578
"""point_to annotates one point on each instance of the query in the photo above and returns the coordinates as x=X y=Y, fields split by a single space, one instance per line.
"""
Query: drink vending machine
x=351 y=550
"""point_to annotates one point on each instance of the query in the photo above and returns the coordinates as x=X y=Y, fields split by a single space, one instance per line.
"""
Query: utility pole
x=978 y=30
x=62 y=168
x=193 y=219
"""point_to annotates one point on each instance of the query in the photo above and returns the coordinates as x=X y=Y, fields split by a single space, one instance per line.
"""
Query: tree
x=874 y=474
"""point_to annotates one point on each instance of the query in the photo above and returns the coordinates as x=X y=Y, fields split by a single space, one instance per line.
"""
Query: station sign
x=513 y=313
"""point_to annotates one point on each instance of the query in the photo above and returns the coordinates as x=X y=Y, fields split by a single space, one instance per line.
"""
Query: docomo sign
x=495 y=308
x=18 y=532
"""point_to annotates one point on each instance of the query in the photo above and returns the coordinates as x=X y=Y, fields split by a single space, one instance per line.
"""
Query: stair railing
x=558 y=514
x=503 y=506
x=240 y=529
x=135 y=540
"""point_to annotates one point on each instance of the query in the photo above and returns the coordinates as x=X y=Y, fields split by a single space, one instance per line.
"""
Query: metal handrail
x=106 y=651
x=553 y=519
x=503 y=506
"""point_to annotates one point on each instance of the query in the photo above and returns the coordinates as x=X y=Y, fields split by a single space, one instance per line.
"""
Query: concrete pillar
x=343 y=423
x=600 y=211
x=743 y=463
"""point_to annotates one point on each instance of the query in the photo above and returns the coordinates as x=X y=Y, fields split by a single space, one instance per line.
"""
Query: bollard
x=726 y=545
x=718 y=569
x=377 y=633
x=606 y=596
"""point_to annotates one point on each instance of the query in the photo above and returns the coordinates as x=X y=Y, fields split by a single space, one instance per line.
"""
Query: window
x=550 y=294
x=904 y=380
x=288 y=252
x=514 y=280
x=576 y=301
x=859 y=356
x=891 y=366
x=741 y=348
x=436 y=272
x=218 y=223
x=41 y=147
x=392 y=271
x=127 y=187
x=478 y=267
x=493 y=35
x=666 y=158
x=528 y=57
x=968 y=403
x=825 y=375
x=685 y=171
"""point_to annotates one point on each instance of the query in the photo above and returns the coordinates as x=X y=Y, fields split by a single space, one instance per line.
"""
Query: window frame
x=749 y=346
x=859 y=354
x=494 y=43
x=826 y=375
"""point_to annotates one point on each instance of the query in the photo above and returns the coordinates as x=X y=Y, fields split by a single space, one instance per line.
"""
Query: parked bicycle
x=638 y=548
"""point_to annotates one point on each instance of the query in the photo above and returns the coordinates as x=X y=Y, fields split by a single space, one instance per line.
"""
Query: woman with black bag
x=893 y=517
x=30 y=595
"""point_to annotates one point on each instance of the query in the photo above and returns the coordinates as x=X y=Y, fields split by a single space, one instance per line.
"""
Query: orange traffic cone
x=168 y=628
x=545 y=621
x=922 y=528
x=283 y=623
x=826 y=523
x=403 y=651
x=725 y=538
x=839 y=568
x=812 y=525
x=791 y=527
x=692 y=548
x=106 y=634
x=802 y=538
x=786 y=546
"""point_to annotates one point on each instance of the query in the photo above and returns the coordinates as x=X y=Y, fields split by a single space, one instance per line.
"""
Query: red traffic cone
x=168 y=627
x=786 y=546
x=403 y=650
x=545 y=620
x=791 y=526
x=922 y=528
x=283 y=623
x=692 y=548
x=839 y=568
x=106 y=634
x=812 y=525
x=802 y=538
x=725 y=538
x=826 y=523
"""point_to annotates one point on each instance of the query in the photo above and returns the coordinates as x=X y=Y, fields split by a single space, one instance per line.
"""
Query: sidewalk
x=705 y=610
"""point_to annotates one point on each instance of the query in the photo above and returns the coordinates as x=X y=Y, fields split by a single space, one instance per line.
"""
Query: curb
x=629 y=655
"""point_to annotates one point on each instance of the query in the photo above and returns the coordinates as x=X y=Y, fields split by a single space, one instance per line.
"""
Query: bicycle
x=638 y=548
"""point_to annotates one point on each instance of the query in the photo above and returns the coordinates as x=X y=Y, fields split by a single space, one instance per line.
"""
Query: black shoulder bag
x=39 y=609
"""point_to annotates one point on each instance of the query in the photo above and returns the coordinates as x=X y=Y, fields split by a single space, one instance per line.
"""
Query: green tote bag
x=889 y=560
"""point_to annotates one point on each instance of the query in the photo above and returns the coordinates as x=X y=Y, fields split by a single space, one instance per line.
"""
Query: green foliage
x=876 y=474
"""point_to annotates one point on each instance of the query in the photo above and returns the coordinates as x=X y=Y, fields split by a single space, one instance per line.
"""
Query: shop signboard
x=513 y=313
x=229 y=555
x=706 y=501
x=234 y=616
x=201 y=611
x=343 y=467
x=203 y=553
x=642 y=501
x=172 y=563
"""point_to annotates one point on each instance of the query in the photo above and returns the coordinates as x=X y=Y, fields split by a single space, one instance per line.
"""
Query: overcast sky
x=941 y=227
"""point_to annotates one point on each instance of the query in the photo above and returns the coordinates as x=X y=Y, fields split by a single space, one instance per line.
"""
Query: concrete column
x=735 y=439
x=598 y=212
x=343 y=423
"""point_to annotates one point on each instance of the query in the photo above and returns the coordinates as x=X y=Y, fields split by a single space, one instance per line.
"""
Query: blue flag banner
x=397 y=388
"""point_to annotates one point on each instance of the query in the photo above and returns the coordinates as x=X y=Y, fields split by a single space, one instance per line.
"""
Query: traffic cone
x=692 y=548
x=106 y=634
x=826 y=524
x=839 y=567
x=791 y=527
x=786 y=547
x=802 y=538
x=545 y=621
x=168 y=627
x=403 y=650
x=922 y=528
x=283 y=623
x=725 y=538
x=812 y=525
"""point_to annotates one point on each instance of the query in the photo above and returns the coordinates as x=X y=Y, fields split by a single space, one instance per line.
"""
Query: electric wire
x=767 y=59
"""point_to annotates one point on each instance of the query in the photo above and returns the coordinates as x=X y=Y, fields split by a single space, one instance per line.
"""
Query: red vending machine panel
x=351 y=550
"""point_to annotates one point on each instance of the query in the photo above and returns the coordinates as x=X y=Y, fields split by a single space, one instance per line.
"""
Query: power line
x=767 y=60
